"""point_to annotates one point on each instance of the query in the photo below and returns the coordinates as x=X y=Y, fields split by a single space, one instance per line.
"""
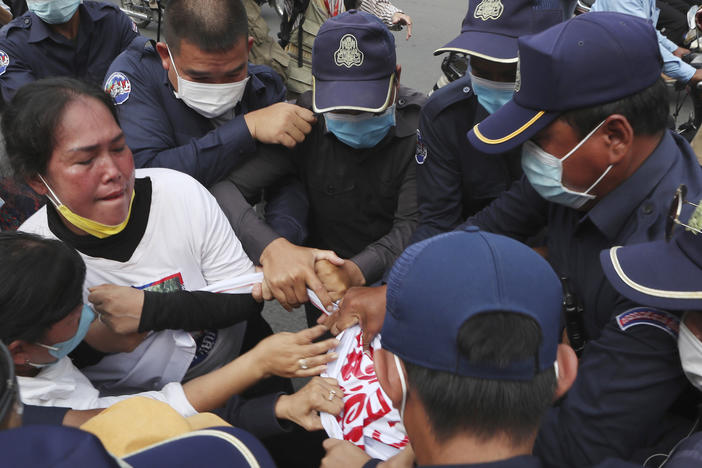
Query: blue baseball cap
x=595 y=58
x=662 y=274
x=491 y=28
x=439 y=283
x=353 y=64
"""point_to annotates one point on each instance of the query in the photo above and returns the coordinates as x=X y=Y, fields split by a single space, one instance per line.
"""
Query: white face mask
x=690 y=349
x=207 y=99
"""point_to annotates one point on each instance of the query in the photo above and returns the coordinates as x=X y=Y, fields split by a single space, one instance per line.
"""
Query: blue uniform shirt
x=30 y=50
x=162 y=131
x=454 y=180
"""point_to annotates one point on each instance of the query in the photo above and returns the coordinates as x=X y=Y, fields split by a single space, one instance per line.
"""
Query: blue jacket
x=30 y=50
x=454 y=180
x=164 y=132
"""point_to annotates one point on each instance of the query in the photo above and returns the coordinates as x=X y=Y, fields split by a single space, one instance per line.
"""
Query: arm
x=519 y=213
x=380 y=255
x=17 y=74
x=438 y=184
x=383 y=9
x=627 y=381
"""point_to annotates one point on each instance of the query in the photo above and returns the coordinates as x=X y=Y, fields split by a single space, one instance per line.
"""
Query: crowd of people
x=520 y=249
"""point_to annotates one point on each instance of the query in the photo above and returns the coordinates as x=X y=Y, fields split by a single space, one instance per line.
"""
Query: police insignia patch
x=4 y=61
x=348 y=54
x=489 y=10
x=420 y=154
x=652 y=317
x=119 y=87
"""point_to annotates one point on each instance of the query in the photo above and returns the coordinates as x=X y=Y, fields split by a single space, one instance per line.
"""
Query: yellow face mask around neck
x=93 y=228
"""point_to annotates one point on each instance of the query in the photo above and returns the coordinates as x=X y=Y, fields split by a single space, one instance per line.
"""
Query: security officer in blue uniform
x=62 y=38
x=600 y=169
x=201 y=109
x=454 y=180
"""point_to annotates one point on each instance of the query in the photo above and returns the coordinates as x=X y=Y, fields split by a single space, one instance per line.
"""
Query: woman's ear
x=18 y=351
x=567 y=369
x=37 y=185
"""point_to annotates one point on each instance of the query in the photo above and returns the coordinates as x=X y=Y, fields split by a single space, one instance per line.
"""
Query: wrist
x=271 y=249
x=281 y=407
x=354 y=273
x=256 y=362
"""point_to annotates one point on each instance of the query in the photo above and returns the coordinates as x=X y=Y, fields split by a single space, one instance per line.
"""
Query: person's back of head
x=474 y=319
x=210 y=25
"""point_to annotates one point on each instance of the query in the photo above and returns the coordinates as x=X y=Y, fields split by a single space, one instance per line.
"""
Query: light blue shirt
x=672 y=65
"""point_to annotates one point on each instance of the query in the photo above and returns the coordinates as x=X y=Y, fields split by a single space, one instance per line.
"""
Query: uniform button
x=401 y=102
x=647 y=208
x=472 y=229
x=331 y=189
x=27 y=21
x=466 y=89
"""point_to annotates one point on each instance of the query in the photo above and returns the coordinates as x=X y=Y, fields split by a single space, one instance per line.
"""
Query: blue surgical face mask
x=53 y=11
x=545 y=174
x=60 y=350
x=491 y=94
x=363 y=130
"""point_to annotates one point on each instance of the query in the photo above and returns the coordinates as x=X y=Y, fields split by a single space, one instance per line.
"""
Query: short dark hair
x=647 y=112
x=211 y=25
x=484 y=407
x=41 y=282
x=31 y=120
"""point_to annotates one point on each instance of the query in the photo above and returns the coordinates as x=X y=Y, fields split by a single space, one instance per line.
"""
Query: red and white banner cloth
x=368 y=420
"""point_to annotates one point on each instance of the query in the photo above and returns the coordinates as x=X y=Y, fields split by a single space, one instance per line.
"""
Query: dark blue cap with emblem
x=439 y=283
x=491 y=28
x=660 y=274
x=585 y=61
x=353 y=64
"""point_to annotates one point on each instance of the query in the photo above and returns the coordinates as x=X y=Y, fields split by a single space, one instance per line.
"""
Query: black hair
x=41 y=282
x=9 y=391
x=211 y=25
x=647 y=112
x=486 y=408
x=30 y=122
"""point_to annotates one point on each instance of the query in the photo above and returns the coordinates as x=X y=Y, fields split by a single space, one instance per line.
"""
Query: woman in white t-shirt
x=159 y=236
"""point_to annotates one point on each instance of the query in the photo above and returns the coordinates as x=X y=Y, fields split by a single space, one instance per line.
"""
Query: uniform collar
x=611 y=213
x=39 y=30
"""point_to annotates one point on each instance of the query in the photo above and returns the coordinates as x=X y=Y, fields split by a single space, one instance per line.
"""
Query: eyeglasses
x=674 y=213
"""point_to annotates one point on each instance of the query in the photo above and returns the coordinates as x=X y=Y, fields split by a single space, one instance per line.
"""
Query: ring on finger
x=331 y=395
x=303 y=364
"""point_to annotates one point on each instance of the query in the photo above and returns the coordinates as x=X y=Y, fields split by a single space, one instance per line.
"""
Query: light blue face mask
x=491 y=94
x=545 y=174
x=53 y=11
x=363 y=130
x=60 y=350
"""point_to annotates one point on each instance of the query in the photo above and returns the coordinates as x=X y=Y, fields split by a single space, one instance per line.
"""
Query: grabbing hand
x=280 y=123
x=337 y=279
x=303 y=406
x=294 y=354
x=343 y=454
x=288 y=270
x=360 y=305
x=680 y=52
x=118 y=307
x=400 y=19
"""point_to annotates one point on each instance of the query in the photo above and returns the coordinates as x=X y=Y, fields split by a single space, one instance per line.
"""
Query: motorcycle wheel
x=129 y=8
x=278 y=6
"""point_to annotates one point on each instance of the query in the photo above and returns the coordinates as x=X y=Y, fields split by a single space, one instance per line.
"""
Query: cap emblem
x=348 y=54
x=489 y=10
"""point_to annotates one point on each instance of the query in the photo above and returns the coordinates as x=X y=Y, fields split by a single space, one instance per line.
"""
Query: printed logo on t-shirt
x=168 y=284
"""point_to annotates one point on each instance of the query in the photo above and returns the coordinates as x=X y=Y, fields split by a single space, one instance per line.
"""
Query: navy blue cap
x=585 y=61
x=353 y=64
x=662 y=274
x=491 y=28
x=439 y=283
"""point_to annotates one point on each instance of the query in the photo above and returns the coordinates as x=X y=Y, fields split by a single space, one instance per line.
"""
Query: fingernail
x=334 y=355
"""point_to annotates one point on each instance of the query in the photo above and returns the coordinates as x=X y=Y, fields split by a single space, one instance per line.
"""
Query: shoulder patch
x=119 y=87
x=4 y=61
x=669 y=323
x=420 y=155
